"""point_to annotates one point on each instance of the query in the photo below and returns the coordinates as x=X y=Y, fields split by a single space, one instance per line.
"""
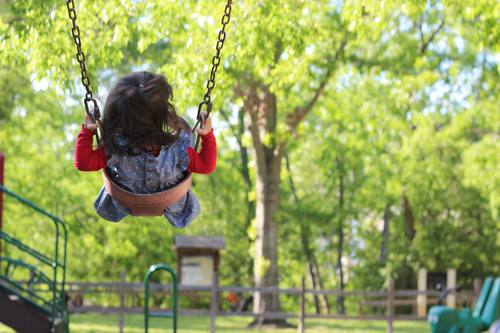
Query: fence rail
x=390 y=299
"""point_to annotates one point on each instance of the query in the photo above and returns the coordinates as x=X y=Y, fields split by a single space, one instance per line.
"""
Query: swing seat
x=146 y=204
x=152 y=204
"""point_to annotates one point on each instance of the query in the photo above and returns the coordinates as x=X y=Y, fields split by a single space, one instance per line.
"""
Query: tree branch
x=301 y=112
x=424 y=46
x=257 y=143
x=364 y=62
x=422 y=41
x=280 y=152
x=231 y=126
x=481 y=78
x=52 y=9
x=278 y=50
x=292 y=185
x=235 y=134
x=10 y=22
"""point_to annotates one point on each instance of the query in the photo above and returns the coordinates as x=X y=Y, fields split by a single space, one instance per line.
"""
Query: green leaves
x=37 y=35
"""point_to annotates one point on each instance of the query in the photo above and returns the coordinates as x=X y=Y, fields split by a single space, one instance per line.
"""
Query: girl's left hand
x=207 y=128
x=88 y=124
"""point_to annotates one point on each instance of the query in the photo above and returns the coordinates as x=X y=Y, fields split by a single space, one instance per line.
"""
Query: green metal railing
x=39 y=279
x=173 y=315
x=56 y=302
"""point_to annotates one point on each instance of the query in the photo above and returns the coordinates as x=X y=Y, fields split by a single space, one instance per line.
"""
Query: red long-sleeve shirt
x=89 y=159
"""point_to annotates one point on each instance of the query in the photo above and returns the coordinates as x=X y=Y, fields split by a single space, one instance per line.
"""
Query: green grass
x=95 y=323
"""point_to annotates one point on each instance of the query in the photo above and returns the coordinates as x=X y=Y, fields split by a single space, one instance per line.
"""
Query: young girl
x=145 y=144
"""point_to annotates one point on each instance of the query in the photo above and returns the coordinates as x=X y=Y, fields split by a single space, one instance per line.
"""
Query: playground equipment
x=484 y=317
x=173 y=315
x=22 y=308
x=27 y=310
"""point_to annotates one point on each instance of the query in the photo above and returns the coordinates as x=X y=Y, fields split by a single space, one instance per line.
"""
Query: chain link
x=215 y=65
x=220 y=44
x=80 y=57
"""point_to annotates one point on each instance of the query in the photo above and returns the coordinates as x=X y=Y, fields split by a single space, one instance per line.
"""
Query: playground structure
x=173 y=315
x=21 y=308
x=45 y=310
x=485 y=316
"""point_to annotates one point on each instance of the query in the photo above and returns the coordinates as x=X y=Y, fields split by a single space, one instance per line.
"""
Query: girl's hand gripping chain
x=207 y=127
x=89 y=125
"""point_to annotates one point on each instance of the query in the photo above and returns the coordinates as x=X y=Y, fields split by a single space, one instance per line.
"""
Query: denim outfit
x=146 y=174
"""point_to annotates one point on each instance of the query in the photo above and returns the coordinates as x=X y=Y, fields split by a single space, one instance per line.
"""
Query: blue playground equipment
x=485 y=316
x=173 y=315
x=21 y=307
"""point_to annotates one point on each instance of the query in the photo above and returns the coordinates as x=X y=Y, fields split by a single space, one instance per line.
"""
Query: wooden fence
x=389 y=298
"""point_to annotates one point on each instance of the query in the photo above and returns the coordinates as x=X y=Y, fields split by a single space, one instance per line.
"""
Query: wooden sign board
x=197 y=270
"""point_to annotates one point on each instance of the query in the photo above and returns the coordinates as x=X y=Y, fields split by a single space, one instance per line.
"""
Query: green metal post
x=151 y=270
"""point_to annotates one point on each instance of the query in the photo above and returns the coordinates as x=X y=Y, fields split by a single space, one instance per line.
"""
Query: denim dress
x=146 y=174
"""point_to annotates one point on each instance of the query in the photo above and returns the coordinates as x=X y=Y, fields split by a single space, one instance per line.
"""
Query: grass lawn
x=95 y=323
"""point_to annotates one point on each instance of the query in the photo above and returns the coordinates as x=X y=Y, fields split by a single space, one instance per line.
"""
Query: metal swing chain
x=220 y=44
x=80 y=57
x=215 y=65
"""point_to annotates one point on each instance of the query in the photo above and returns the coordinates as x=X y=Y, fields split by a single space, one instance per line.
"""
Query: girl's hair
x=139 y=108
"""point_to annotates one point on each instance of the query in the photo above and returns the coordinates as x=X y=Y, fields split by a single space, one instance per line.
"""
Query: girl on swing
x=145 y=144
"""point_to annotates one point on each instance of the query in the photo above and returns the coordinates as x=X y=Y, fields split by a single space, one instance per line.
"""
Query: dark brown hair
x=139 y=108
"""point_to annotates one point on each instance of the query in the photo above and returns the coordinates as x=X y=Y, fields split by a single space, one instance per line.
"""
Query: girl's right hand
x=207 y=128
x=89 y=125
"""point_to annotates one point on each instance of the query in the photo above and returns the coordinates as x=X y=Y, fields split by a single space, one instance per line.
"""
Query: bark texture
x=340 y=246
x=385 y=236
x=267 y=155
x=409 y=219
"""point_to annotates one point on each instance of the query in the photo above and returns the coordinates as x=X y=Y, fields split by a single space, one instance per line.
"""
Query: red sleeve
x=204 y=161
x=86 y=158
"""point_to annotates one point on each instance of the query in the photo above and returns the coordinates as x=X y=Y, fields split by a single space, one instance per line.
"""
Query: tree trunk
x=319 y=282
x=239 y=132
x=266 y=256
x=312 y=265
x=385 y=236
x=313 y=272
x=244 y=167
x=312 y=285
x=340 y=271
x=267 y=155
x=267 y=150
x=409 y=220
